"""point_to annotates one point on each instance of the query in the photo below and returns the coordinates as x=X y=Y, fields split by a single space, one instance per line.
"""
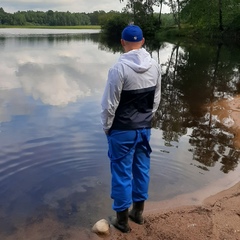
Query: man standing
x=131 y=97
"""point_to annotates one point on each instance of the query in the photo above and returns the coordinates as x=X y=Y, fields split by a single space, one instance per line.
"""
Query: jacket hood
x=139 y=60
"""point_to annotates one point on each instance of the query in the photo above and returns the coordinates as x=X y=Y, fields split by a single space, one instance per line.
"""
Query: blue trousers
x=129 y=154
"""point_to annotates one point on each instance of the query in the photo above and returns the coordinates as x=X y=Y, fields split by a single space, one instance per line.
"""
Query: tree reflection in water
x=195 y=76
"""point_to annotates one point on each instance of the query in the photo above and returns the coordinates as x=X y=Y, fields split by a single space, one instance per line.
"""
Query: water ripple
x=48 y=153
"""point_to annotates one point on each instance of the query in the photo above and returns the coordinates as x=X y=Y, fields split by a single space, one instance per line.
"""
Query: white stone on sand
x=101 y=227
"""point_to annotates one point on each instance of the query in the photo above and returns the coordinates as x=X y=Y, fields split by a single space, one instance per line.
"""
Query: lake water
x=53 y=153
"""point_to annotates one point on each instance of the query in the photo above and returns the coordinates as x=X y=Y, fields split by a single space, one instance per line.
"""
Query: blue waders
x=129 y=153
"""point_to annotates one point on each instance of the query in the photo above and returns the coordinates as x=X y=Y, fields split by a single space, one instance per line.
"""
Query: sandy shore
x=218 y=218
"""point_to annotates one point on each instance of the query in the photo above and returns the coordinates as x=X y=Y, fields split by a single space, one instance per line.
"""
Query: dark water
x=53 y=153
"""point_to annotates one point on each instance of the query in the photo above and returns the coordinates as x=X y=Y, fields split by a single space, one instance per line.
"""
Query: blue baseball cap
x=132 y=33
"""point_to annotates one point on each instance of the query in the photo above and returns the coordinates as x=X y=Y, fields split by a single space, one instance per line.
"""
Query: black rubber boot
x=136 y=213
x=121 y=221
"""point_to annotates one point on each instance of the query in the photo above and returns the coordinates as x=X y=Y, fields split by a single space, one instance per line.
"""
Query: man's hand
x=106 y=131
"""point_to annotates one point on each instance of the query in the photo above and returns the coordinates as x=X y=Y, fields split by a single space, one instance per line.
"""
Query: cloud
x=62 y=5
x=8 y=81
x=51 y=84
x=12 y=102
x=55 y=72
x=67 y=5
x=62 y=76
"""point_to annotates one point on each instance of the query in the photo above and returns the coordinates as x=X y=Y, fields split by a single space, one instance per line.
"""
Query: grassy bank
x=198 y=34
x=52 y=27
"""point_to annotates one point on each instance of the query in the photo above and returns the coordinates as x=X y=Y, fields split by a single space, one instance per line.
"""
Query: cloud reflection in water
x=55 y=72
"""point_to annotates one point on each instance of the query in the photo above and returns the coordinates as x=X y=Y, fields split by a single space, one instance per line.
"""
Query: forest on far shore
x=186 y=18
x=51 y=18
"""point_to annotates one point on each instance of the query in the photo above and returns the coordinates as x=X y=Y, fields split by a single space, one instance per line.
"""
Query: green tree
x=140 y=12
x=215 y=14
x=3 y=15
x=176 y=7
x=50 y=16
x=96 y=16
x=112 y=28
x=19 y=18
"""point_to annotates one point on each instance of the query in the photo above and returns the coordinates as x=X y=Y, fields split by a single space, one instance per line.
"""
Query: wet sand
x=228 y=114
x=181 y=218
x=218 y=218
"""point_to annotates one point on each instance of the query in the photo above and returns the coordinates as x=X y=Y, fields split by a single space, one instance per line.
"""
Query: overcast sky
x=63 y=5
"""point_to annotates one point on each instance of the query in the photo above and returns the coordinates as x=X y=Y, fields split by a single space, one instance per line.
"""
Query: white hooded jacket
x=132 y=93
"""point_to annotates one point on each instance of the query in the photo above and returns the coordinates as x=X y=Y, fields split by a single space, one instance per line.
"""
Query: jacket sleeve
x=157 y=95
x=111 y=97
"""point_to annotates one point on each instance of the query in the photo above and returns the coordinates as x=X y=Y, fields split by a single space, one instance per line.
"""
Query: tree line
x=219 y=14
x=191 y=18
x=184 y=14
x=54 y=18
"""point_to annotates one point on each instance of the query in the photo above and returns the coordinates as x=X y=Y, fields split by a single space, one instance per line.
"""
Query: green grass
x=53 y=27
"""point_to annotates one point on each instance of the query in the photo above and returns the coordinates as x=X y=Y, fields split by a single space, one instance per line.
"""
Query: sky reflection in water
x=53 y=158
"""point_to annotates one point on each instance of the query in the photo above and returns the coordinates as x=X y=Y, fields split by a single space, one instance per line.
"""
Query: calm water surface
x=53 y=153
